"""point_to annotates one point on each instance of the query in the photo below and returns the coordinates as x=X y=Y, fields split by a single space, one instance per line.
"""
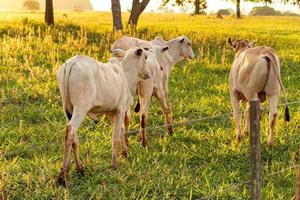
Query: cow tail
x=277 y=74
x=67 y=73
x=137 y=106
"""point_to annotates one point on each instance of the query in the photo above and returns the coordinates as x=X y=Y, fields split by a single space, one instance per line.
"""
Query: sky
x=212 y=5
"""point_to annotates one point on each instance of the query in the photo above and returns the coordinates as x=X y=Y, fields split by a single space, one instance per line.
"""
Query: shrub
x=31 y=5
x=264 y=11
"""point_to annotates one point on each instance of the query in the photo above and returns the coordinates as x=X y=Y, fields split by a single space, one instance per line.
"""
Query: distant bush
x=288 y=13
x=228 y=11
x=202 y=12
x=264 y=11
x=31 y=5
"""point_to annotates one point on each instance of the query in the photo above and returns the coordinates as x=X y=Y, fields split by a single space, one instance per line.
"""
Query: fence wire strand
x=192 y=121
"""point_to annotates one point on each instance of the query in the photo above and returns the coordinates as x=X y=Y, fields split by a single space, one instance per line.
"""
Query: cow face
x=240 y=44
x=143 y=71
x=185 y=47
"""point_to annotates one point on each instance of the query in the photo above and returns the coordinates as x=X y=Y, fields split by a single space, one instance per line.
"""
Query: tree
x=116 y=13
x=199 y=5
x=49 y=16
x=293 y=2
x=238 y=9
x=136 y=10
x=238 y=5
x=31 y=5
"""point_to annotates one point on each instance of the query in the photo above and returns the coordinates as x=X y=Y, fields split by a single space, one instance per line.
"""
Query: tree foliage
x=31 y=5
x=199 y=5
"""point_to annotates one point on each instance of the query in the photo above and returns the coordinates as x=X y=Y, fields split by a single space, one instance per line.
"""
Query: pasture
x=201 y=160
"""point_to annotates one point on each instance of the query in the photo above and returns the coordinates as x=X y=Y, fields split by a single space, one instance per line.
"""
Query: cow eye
x=189 y=44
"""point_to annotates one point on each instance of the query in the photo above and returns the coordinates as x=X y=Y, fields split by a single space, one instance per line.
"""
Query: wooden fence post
x=255 y=151
x=298 y=178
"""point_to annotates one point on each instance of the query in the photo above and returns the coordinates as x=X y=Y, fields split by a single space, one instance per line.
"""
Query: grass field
x=201 y=160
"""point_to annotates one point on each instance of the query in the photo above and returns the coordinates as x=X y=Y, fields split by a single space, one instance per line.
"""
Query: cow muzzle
x=144 y=76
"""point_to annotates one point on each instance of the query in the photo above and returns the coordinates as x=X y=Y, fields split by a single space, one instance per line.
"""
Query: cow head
x=240 y=44
x=185 y=47
x=134 y=57
x=159 y=52
x=139 y=56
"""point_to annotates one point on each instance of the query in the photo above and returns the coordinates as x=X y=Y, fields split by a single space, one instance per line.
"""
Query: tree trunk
x=116 y=12
x=136 y=9
x=49 y=16
x=238 y=9
x=197 y=7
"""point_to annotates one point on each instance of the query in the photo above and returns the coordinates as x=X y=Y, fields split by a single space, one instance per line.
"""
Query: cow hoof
x=270 y=143
x=80 y=170
x=96 y=121
x=114 y=166
x=239 y=138
x=144 y=143
x=61 y=179
x=124 y=154
x=170 y=130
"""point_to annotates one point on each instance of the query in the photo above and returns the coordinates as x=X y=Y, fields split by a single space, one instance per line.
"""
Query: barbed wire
x=151 y=128
x=282 y=170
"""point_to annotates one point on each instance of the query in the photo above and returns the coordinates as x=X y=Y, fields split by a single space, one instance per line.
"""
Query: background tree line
x=138 y=6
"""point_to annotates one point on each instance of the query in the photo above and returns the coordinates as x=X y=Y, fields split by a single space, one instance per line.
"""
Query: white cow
x=178 y=49
x=91 y=88
x=255 y=74
x=152 y=86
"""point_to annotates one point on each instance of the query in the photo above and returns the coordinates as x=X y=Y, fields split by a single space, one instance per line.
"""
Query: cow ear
x=181 y=40
x=230 y=42
x=118 y=53
x=139 y=52
x=164 y=49
x=252 y=43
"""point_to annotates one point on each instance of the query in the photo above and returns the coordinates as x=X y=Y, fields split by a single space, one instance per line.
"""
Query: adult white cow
x=91 y=88
x=255 y=74
x=178 y=49
x=152 y=86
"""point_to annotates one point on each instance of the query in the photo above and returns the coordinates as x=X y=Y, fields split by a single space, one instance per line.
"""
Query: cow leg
x=75 y=147
x=273 y=101
x=166 y=90
x=125 y=134
x=166 y=110
x=145 y=101
x=71 y=139
x=247 y=119
x=236 y=113
x=117 y=136
x=126 y=124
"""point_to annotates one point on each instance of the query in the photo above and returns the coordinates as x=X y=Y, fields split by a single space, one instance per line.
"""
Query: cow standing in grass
x=178 y=49
x=255 y=74
x=91 y=88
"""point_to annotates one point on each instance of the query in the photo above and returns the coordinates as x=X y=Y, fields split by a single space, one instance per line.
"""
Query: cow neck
x=131 y=75
x=174 y=51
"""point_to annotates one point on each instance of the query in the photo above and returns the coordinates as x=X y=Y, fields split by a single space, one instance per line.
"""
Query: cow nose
x=146 y=76
x=192 y=56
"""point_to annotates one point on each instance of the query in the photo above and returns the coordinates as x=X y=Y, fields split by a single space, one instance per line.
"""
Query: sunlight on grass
x=201 y=160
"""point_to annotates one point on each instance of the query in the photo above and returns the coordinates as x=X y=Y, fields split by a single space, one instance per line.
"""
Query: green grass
x=201 y=160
